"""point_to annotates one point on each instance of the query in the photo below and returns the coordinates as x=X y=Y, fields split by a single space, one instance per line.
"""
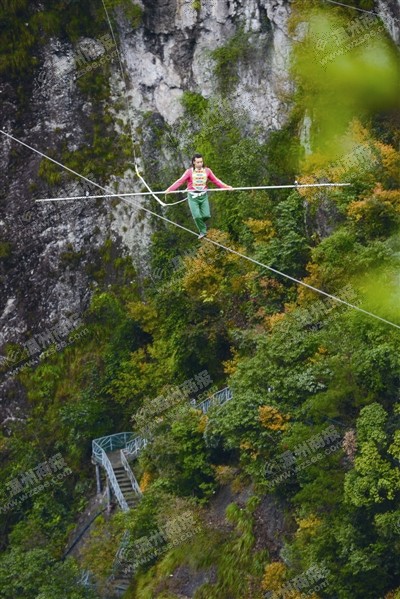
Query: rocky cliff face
x=171 y=53
x=389 y=11
x=45 y=267
x=48 y=250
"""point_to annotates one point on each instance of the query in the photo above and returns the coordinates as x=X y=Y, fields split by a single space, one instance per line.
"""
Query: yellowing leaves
x=390 y=161
x=143 y=313
x=310 y=193
x=207 y=273
x=274 y=576
x=361 y=156
x=383 y=200
x=275 y=319
x=202 y=423
x=305 y=294
x=145 y=481
x=262 y=229
x=272 y=419
x=249 y=448
x=357 y=209
x=309 y=524
x=230 y=366
x=276 y=579
x=390 y=196
x=318 y=356
x=224 y=474
x=245 y=445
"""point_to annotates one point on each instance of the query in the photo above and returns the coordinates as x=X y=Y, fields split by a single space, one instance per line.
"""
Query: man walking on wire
x=196 y=178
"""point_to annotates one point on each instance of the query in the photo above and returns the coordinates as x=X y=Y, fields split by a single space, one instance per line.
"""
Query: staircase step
x=121 y=585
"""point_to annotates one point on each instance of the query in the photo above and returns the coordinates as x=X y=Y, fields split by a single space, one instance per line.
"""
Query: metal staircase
x=114 y=453
x=125 y=479
x=110 y=453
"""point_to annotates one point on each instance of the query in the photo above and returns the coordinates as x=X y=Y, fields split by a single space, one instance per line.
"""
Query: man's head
x=197 y=161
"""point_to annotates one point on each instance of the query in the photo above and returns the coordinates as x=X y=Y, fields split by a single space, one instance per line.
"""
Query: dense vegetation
x=297 y=363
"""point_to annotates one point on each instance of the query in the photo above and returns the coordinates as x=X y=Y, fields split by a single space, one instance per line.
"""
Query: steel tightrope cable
x=248 y=258
x=133 y=204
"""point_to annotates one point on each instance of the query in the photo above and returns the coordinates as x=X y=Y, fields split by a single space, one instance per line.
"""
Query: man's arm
x=179 y=182
x=217 y=182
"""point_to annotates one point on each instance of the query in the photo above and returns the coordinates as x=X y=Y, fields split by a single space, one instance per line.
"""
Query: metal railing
x=131 y=445
x=85 y=580
x=131 y=476
x=120 y=558
x=134 y=447
x=218 y=399
x=102 y=458
x=110 y=443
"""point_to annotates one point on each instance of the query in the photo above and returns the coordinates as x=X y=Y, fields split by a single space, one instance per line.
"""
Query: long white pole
x=146 y=193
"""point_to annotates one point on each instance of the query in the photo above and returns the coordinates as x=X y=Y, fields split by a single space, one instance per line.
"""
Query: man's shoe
x=202 y=235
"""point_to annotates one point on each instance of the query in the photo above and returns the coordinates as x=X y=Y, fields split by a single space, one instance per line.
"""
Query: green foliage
x=103 y=153
x=180 y=456
x=372 y=86
x=24 y=28
x=239 y=566
x=133 y=12
x=374 y=479
x=228 y=57
x=194 y=104
x=196 y=4
x=288 y=250
x=379 y=221
x=284 y=153
x=5 y=250
x=371 y=424
x=16 y=38
x=67 y=409
x=276 y=345
x=214 y=129
x=50 y=172
x=35 y=574
x=71 y=258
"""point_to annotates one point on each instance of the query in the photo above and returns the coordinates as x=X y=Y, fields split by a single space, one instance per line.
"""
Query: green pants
x=200 y=209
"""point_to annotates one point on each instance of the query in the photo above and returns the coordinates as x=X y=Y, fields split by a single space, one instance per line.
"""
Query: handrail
x=82 y=532
x=219 y=398
x=119 y=556
x=138 y=442
x=110 y=443
x=130 y=474
x=117 y=489
x=131 y=444
x=103 y=459
x=85 y=578
x=134 y=446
